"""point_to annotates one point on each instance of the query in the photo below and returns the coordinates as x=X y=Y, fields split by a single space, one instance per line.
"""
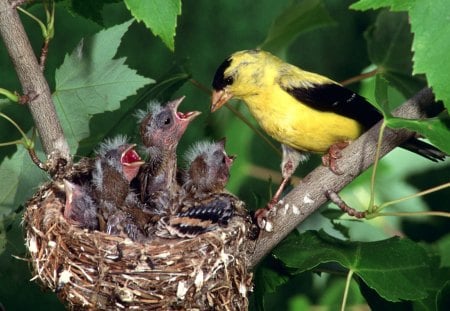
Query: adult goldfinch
x=304 y=111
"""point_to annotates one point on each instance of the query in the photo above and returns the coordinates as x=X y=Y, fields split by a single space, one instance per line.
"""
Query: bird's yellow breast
x=297 y=125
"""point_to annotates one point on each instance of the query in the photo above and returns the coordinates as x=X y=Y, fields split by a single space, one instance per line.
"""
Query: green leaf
x=381 y=95
x=435 y=129
x=90 y=9
x=299 y=303
x=109 y=124
x=19 y=178
x=389 y=43
x=444 y=250
x=160 y=16
x=443 y=297
x=90 y=81
x=298 y=18
x=392 y=267
x=431 y=28
x=395 y=5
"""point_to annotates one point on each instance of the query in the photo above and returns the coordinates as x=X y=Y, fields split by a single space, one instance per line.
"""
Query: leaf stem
x=410 y=214
x=347 y=287
x=371 y=207
x=37 y=20
x=11 y=96
x=26 y=141
x=360 y=77
x=425 y=192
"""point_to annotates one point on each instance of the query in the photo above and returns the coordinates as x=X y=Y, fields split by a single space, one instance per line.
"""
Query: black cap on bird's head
x=226 y=75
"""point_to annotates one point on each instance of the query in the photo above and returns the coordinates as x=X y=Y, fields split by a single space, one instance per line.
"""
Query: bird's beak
x=188 y=116
x=130 y=157
x=176 y=103
x=230 y=159
x=68 y=189
x=219 y=98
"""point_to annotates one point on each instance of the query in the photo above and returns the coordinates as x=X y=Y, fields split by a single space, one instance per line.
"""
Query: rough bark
x=34 y=84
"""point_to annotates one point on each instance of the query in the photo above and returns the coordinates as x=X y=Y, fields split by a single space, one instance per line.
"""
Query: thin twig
x=336 y=199
x=360 y=77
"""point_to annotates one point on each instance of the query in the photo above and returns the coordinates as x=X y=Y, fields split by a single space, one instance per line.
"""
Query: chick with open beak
x=161 y=128
x=116 y=166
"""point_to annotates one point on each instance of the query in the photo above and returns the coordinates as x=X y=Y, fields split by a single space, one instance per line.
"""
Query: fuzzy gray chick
x=116 y=166
x=204 y=202
x=208 y=168
x=80 y=209
x=161 y=128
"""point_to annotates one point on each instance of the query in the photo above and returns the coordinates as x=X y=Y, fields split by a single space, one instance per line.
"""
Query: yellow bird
x=304 y=111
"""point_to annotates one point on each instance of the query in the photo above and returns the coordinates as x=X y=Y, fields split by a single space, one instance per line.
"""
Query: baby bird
x=130 y=219
x=80 y=209
x=117 y=164
x=203 y=201
x=304 y=111
x=161 y=128
x=209 y=168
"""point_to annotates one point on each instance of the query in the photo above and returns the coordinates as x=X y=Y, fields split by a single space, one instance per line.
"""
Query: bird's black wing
x=336 y=98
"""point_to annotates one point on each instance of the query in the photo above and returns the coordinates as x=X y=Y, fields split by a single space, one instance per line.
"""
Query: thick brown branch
x=32 y=80
x=310 y=194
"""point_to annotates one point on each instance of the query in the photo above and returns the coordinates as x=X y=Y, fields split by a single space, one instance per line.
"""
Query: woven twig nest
x=94 y=270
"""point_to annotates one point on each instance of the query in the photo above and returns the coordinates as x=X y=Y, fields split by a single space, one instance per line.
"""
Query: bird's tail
x=424 y=149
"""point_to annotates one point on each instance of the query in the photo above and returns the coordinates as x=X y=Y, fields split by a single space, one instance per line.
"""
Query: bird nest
x=95 y=270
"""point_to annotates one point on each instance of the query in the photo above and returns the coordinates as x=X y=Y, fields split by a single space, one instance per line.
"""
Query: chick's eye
x=164 y=119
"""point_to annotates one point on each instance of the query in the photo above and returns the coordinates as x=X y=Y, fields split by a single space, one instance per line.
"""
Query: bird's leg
x=334 y=153
x=291 y=159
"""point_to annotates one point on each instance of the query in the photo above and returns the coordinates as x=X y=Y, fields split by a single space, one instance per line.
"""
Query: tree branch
x=34 y=85
x=310 y=193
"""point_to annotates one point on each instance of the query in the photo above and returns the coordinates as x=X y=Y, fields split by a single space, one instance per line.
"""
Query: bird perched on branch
x=80 y=209
x=203 y=202
x=304 y=111
x=116 y=165
x=161 y=128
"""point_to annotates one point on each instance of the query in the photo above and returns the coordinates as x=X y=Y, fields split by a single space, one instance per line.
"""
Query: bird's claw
x=263 y=215
x=334 y=153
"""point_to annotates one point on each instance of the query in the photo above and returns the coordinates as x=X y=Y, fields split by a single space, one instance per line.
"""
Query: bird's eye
x=228 y=80
x=164 y=119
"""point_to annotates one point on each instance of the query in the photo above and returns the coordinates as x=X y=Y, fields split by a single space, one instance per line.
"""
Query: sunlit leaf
x=435 y=129
x=431 y=28
x=160 y=16
x=90 y=81
x=395 y=5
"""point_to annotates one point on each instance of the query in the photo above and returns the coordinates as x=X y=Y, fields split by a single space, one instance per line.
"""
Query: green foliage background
x=99 y=82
